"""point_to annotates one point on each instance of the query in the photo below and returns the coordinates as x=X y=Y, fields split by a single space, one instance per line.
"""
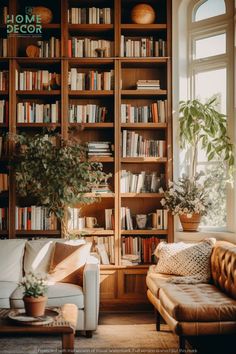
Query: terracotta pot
x=35 y=306
x=190 y=223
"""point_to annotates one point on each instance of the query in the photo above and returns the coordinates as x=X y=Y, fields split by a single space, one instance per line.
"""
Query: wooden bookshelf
x=120 y=286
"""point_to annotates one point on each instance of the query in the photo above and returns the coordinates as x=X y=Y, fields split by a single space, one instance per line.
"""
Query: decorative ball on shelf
x=143 y=14
x=45 y=14
x=32 y=51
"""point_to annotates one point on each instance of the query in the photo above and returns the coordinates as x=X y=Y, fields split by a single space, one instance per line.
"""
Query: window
x=208 y=8
x=210 y=69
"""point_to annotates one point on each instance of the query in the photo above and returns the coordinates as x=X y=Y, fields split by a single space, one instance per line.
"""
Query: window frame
x=183 y=90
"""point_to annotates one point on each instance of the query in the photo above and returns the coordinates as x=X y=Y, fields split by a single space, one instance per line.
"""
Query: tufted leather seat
x=199 y=309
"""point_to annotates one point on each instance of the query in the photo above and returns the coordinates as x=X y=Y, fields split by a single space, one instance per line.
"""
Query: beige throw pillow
x=67 y=264
x=189 y=260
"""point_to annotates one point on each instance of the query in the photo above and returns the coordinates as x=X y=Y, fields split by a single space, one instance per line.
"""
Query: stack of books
x=154 y=113
x=34 y=80
x=34 y=218
x=87 y=47
x=4 y=80
x=140 y=182
x=134 y=145
x=3 y=47
x=103 y=188
x=93 y=80
x=148 y=85
x=29 y=112
x=130 y=259
x=89 y=15
x=99 y=148
x=3 y=218
x=104 y=247
x=50 y=48
x=3 y=111
x=3 y=182
x=89 y=113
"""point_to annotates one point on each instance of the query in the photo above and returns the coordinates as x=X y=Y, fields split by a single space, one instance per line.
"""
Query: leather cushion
x=155 y=281
x=198 y=302
x=223 y=267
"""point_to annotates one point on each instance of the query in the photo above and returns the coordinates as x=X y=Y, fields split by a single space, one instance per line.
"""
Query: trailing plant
x=188 y=196
x=56 y=173
x=33 y=285
x=200 y=123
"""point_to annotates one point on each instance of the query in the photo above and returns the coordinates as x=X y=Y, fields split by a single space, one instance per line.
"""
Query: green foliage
x=33 y=285
x=202 y=123
x=54 y=172
x=188 y=196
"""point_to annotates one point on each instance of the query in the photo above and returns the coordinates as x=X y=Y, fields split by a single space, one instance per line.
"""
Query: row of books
x=89 y=113
x=34 y=80
x=34 y=218
x=153 y=113
x=148 y=85
x=3 y=47
x=86 y=47
x=3 y=111
x=4 y=79
x=138 y=249
x=99 y=148
x=4 y=184
x=92 y=80
x=142 y=47
x=3 y=218
x=29 y=112
x=142 y=182
x=89 y=15
x=157 y=220
x=109 y=219
x=50 y=48
x=134 y=145
x=77 y=222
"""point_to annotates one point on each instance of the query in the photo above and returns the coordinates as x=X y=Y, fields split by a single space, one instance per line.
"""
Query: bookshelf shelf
x=142 y=195
x=92 y=125
x=144 y=159
x=144 y=232
x=143 y=93
x=144 y=28
x=93 y=232
x=38 y=125
x=101 y=195
x=49 y=233
x=103 y=159
x=83 y=93
x=38 y=93
x=90 y=28
x=87 y=62
x=144 y=125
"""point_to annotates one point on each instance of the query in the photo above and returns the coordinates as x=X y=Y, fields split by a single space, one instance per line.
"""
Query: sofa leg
x=181 y=344
x=89 y=334
x=158 y=320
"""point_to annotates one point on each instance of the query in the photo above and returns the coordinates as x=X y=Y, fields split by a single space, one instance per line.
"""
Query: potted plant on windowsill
x=34 y=292
x=201 y=125
x=55 y=173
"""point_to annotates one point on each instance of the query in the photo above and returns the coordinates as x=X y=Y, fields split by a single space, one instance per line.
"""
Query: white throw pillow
x=11 y=256
x=190 y=260
x=38 y=254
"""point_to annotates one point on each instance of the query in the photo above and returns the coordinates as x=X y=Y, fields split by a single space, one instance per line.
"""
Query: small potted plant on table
x=34 y=292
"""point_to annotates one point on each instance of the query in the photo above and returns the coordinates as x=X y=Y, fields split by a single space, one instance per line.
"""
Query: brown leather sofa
x=198 y=309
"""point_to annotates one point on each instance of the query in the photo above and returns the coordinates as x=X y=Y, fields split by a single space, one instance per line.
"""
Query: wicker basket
x=190 y=223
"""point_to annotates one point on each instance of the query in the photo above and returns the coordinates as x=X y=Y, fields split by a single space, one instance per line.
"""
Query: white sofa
x=18 y=257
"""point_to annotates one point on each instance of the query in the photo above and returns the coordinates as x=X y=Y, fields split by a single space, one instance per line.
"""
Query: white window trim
x=183 y=87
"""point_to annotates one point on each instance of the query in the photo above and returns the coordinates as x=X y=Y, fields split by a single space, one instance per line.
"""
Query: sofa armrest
x=91 y=285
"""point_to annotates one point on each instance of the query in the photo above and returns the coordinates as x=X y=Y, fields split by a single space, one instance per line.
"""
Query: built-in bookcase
x=103 y=105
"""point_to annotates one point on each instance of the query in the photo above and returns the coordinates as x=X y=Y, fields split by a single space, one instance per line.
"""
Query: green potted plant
x=200 y=125
x=34 y=292
x=55 y=173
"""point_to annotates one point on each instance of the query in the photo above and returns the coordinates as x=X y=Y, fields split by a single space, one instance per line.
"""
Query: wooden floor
x=120 y=333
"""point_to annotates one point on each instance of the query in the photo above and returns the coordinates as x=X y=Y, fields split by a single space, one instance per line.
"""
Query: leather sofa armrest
x=91 y=287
